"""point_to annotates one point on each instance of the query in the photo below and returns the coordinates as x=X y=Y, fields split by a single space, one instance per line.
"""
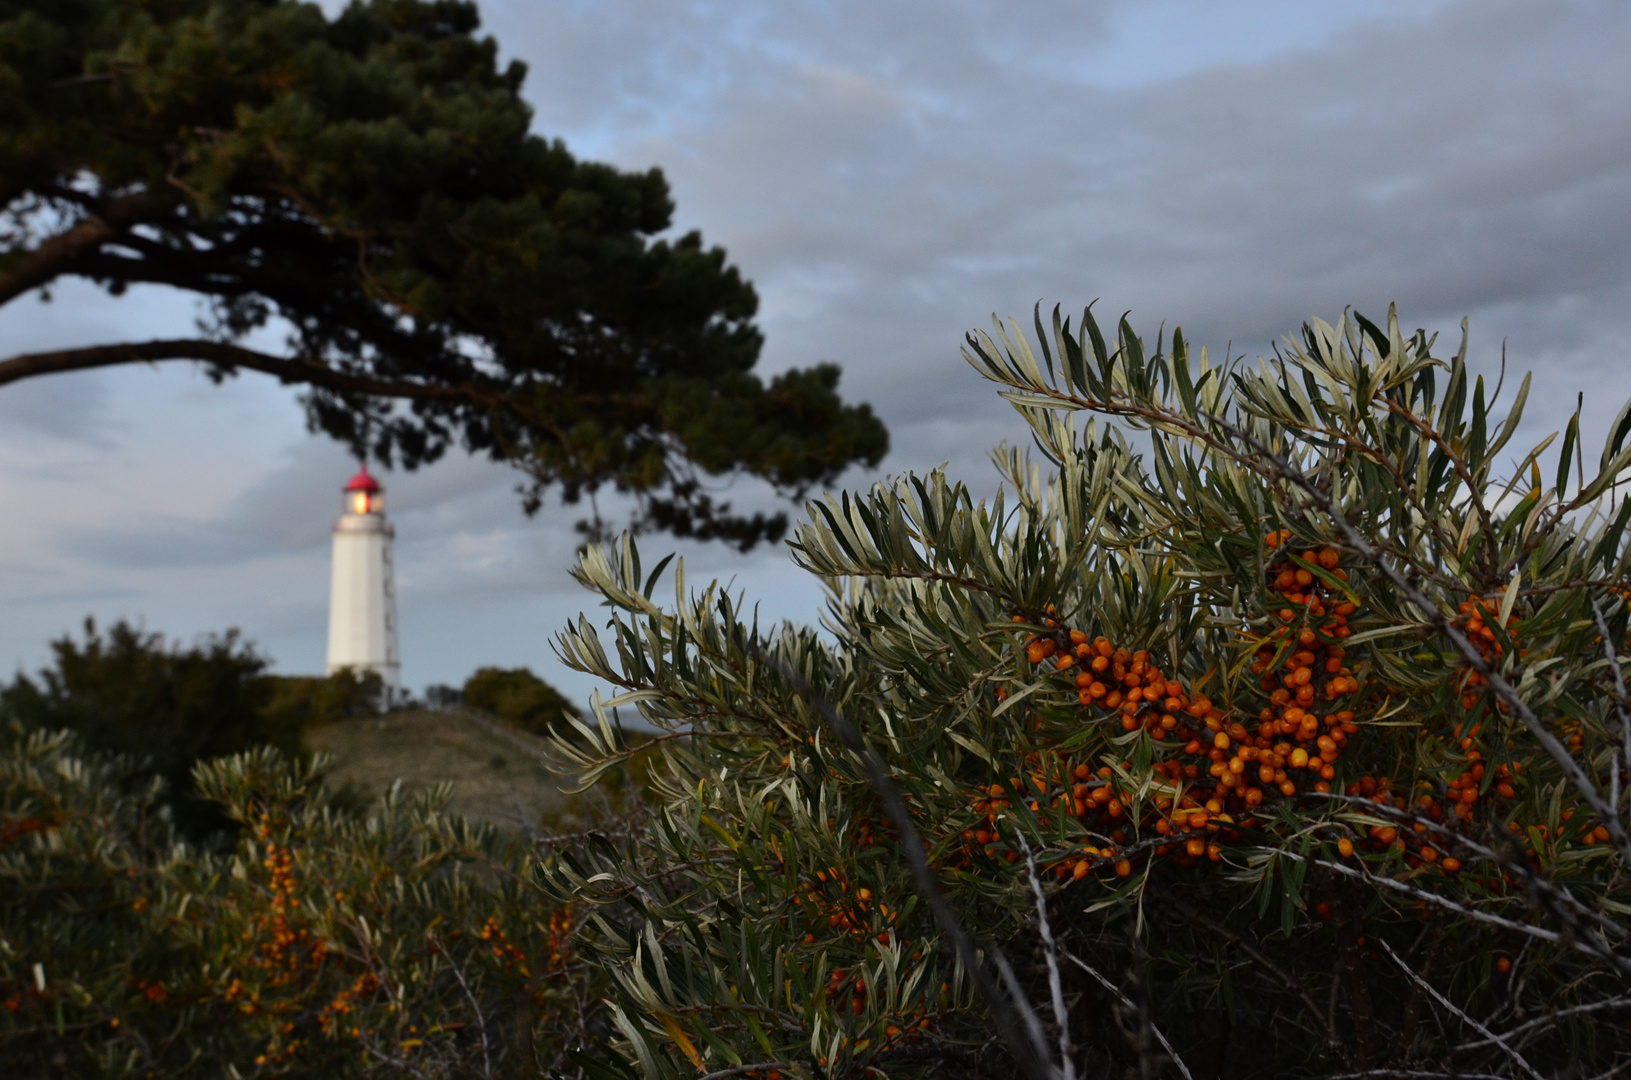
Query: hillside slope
x=500 y=775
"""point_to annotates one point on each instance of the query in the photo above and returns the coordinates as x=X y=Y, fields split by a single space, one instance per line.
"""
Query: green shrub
x=519 y=696
x=157 y=706
x=301 y=702
x=1263 y=723
x=397 y=942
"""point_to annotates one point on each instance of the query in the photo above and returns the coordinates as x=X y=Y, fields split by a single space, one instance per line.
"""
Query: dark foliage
x=446 y=277
x=519 y=696
x=298 y=702
x=162 y=707
x=396 y=941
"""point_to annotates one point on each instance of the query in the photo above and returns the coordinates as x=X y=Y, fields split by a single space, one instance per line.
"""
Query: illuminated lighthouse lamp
x=364 y=495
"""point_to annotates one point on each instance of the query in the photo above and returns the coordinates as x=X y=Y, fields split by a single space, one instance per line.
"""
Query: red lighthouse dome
x=363 y=495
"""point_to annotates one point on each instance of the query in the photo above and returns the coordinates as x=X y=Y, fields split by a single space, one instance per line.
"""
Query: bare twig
x=1613 y=1071
x=1444 y=1001
x=1016 y=993
x=481 y=1020
x=1127 y=1002
x=1050 y=952
x=1551 y=1017
x=1435 y=899
x=396 y=1062
x=1622 y=763
x=1031 y=1058
x=1548 y=890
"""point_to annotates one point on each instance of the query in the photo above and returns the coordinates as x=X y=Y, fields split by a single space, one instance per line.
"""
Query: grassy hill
x=500 y=775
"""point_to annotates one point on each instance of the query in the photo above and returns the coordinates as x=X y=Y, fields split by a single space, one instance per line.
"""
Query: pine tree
x=370 y=184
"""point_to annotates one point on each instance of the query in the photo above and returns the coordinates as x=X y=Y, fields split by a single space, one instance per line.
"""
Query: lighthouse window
x=359 y=502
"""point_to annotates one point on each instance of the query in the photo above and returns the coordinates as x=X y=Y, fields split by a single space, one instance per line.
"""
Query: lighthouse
x=362 y=596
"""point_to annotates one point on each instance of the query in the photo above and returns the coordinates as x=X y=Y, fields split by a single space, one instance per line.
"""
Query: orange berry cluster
x=985 y=834
x=284 y=950
x=1475 y=621
x=558 y=941
x=853 y=984
x=858 y=914
x=867 y=831
x=1301 y=665
x=1052 y=785
x=1219 y=771
x=847 y=989
x=1380 y=838
x=29 y=997
x=287 y=955
x=345 y=1001
x=504 y=952
x=854 y=912
x=1292 y=574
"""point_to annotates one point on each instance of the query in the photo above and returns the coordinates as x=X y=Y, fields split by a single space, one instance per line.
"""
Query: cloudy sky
x=889 y=174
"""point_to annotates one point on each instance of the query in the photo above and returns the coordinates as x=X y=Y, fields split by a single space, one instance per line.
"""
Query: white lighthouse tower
x=362 y=596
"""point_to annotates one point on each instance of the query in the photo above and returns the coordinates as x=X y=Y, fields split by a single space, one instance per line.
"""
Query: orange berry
x=1503 y=965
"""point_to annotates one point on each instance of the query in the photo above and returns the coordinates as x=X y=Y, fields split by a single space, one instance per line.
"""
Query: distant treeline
x=163 y=706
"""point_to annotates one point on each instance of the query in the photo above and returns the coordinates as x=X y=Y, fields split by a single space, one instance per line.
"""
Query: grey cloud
x=288 y=511
x=72 y=597
x=1479 y=164
x=889 y=175
x=70 y=407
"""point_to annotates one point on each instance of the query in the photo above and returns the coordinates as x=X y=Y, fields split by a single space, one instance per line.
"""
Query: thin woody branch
x=1517 y=1058
x=1033 y=1059
x=289 y=370
x=56 y=256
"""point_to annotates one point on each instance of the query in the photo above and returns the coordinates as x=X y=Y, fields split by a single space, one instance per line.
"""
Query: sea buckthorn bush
x=393 y=942
x=1192 y=687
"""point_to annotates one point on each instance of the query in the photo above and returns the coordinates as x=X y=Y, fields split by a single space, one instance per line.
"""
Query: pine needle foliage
x=363 y=181
x=1270 y=721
